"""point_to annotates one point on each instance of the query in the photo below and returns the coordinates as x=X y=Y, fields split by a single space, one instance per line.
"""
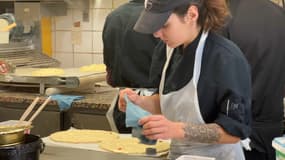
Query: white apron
x=183 y=106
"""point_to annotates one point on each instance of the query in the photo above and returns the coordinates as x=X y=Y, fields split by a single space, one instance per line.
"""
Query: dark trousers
x=261 y=140
x=255 y=155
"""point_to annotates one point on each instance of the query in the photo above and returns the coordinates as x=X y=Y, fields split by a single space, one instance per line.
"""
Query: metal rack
x=72 y=78
x=25 y=55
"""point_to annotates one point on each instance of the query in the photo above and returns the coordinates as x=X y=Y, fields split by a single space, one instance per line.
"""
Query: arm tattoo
x=205 y=133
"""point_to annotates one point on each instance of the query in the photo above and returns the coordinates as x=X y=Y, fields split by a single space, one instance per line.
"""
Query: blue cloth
x=133 y=114
x=65 y=101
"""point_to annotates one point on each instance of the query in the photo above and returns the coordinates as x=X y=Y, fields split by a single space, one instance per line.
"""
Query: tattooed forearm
x=205 y=133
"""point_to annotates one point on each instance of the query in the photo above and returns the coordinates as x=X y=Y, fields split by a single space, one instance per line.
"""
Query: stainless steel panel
x=61 y=153
x=45 y=124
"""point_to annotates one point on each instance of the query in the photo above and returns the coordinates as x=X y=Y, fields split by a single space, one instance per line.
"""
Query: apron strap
x=198 y=58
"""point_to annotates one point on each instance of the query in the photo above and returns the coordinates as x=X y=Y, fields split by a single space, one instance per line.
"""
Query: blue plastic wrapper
x=65 y=101
x=133 y=114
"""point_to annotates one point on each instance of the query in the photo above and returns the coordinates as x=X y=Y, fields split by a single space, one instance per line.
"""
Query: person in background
x=258 y=28
x=127 y=54
x=203 y=104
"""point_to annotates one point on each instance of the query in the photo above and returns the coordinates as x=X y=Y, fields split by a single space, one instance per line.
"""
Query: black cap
x=156 y=13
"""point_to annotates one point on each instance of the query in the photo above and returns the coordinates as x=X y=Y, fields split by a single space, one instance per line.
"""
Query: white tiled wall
x=75 y=47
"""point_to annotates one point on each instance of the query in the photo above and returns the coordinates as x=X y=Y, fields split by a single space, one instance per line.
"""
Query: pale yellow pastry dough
x=132 y=146
x=48 y=72
x=83 y=136
x=93 y=68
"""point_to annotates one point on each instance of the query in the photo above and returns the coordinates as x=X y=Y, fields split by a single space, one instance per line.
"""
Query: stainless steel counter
x=61 y=153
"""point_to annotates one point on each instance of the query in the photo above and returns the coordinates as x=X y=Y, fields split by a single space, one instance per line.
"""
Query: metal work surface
x=61 y=153
x=72 y=78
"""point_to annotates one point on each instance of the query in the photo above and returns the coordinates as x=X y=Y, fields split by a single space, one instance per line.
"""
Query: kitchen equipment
x=24 y=54
x=12 y=132
x=30 y=149
x=65 y=153
x=72 y=78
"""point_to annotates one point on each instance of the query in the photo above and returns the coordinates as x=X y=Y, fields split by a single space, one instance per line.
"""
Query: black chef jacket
x=224 y=81
x=258 y=28
x=127 y=54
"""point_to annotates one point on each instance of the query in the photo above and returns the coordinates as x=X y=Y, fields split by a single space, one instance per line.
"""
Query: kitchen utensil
x=39 y=109
x=29 y=109
x=12 y=137
x=12 y=131
x=29 y=149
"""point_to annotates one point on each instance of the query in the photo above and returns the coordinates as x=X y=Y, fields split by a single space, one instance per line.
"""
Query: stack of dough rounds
x=48 y=72
x=132 y=146
x=83 y=136
x=93 y=68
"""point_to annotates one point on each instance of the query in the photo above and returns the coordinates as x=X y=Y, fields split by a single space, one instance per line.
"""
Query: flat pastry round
x=93 y=68
x=132 y=146
x=83 y=136
x=48 y=72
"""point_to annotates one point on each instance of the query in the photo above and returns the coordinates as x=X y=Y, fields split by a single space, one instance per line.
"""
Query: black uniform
x=258 y=28
x=220 y=84
x=127 y=54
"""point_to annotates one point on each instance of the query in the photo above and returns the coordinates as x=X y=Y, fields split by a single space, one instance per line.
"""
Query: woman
x=203 y=104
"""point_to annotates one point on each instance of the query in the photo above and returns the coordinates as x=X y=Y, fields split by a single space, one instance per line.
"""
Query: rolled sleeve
x=234 y=97
x=233 y=127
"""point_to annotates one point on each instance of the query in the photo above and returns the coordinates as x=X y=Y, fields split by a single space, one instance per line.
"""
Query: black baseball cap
x=156 y=13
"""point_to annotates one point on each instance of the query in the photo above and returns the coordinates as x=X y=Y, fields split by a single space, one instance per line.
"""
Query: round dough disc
x=48 y=72
x=83 y=136
x=132 y=146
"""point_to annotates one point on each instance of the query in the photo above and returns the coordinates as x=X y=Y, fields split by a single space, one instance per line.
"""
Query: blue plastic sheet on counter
x=65 y=101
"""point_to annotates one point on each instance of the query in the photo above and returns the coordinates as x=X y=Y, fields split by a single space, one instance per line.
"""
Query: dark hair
x=212 y=13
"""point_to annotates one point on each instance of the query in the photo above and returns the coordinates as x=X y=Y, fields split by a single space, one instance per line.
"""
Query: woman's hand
x=132 y=95
x=158 y=127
